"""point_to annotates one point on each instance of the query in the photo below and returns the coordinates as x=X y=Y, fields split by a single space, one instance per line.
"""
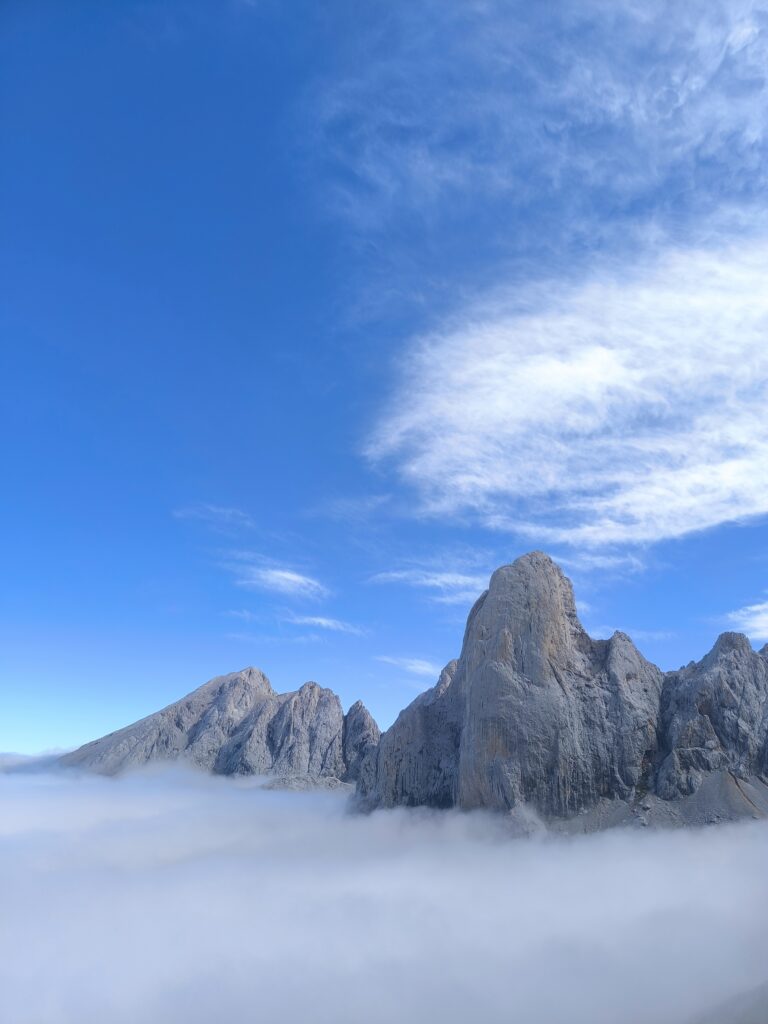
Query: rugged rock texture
x=237 y=724
x=714 y=717
x=416 y=760
x=537 y=715
x=360 y=736
x=534 y=712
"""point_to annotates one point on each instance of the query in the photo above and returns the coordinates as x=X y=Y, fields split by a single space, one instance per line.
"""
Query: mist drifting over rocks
x=179 y=897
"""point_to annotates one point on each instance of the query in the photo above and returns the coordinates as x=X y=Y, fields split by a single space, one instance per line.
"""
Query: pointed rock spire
x=534 y=711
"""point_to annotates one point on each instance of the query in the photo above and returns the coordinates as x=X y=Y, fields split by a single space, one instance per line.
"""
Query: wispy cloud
x=253 y=572
x=281 y=581
x=566 y=109
x=354 y=510
x=446 y=587
x=752 y=620
x=242 y=613
x=626 y=410
x=217 y=517
x=415 y=666
x=602 y=562
x=321 y=622
x=263 y=639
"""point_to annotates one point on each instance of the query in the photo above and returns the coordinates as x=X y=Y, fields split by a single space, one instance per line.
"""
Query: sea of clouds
x=175 y=897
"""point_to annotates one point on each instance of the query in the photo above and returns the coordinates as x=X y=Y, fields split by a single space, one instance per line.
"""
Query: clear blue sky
x=313 y=314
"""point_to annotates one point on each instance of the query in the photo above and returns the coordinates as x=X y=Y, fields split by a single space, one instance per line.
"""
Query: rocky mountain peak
x=237 y=724
x=360 y=736
x=526 y=619
x=249 y=680
x=535 y=712
x=729 y=644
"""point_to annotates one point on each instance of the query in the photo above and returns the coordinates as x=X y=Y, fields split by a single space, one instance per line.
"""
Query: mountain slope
x=237 y=724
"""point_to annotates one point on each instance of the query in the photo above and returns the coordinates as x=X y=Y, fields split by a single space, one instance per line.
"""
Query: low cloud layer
x=180 y=898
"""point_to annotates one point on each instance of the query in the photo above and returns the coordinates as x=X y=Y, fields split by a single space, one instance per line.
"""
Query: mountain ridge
x=237 y=724
x=534 y=717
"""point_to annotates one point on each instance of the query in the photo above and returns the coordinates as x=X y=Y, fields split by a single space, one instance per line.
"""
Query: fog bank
x=176 y=897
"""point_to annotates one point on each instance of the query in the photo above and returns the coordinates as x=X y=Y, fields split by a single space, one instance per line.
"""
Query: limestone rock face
x=237 y=724
x=534 y=715
x=289 y=734
x=360 y=736
x=714 y=717
x=416 y=761
x=534 y=712
x=195 y=727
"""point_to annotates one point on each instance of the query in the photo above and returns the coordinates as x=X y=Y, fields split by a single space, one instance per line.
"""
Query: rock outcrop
x=534 y=716
x=534 y=712
x=537 y=715
x=714 y=717
x=360 y=736
x=237 y=724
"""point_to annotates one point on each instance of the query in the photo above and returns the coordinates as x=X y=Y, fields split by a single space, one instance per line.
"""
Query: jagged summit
x=731 y=642
x=535 y=713
x=238 y=724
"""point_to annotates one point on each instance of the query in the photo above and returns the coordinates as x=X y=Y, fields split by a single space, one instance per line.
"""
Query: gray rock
x=288 y=734
x=537 y=716
x=535 y=712
x=237 y=724
x=360 y=736
x=416 y=761
x=714 y=717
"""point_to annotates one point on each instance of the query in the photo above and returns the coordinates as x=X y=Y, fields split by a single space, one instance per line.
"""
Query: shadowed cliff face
x=536 y=714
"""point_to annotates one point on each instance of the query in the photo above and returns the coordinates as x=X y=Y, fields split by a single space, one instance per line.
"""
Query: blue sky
x=314 y=314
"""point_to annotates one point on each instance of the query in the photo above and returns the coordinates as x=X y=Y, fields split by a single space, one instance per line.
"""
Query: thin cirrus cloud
x=217 y=517
x=444 y=587
x=322 y=622
x=587 y=106
x=625 y=409
x=629 y=409
x=414 y=666
x=752 y=620
x=252 y=574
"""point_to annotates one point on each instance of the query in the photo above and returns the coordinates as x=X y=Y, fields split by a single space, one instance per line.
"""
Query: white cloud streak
x=752 y=620
x=415 y=666
x=183 y=899
x=627 y=410
x=252 y=573
x=447 y=587
x=322 y=622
